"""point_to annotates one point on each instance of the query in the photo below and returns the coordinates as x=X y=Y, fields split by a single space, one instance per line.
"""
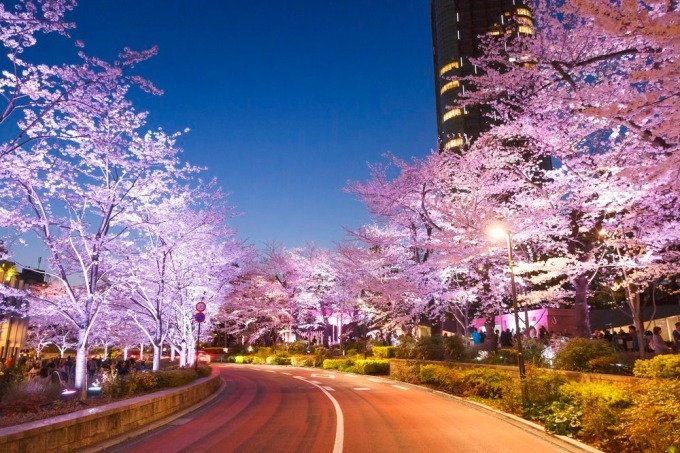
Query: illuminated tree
x=172 y=236
x=592 y=90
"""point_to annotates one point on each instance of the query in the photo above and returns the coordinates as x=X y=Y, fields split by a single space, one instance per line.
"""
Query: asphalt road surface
x=283 y=409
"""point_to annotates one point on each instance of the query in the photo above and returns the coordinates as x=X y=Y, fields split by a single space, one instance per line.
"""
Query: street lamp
x=500 y=233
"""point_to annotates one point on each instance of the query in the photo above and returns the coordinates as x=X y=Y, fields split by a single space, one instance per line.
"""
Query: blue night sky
x=286 y=101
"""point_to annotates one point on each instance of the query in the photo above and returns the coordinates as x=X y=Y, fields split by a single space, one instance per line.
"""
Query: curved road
x=283 y=409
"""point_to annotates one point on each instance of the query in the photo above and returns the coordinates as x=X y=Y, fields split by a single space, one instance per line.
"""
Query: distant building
x=456 y=26
x=14 y=325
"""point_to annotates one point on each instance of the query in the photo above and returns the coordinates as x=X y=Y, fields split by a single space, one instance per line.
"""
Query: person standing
x=635 y=343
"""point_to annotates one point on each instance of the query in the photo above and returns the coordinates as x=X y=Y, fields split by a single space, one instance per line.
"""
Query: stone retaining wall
x=88 y=427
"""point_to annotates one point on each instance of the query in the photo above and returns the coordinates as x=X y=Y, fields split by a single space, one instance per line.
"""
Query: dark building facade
x=14 y=325
x=456 y=26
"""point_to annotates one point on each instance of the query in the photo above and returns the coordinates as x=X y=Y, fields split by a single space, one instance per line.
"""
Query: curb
x=154 y=425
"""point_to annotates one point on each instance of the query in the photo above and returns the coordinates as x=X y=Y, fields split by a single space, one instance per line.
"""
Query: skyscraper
x=456 y=26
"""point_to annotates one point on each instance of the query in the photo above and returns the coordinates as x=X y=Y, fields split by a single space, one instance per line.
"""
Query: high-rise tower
x=456 y=26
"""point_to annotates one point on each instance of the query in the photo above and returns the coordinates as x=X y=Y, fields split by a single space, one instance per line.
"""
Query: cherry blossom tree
x=170 y=233
x=592 y=90
x=78 y=196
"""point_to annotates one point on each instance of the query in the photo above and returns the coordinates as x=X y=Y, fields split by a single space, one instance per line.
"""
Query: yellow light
x=456 y=142
x=498 y=232
x=452 y=84
x=451 y=113
x=525 y=29
x=524 y=12
x=448 y=67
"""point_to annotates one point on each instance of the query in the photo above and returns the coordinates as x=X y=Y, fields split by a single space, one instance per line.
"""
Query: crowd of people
x=653 y=342
x=60 y=370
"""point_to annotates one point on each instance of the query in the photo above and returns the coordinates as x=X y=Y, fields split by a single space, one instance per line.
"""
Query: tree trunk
x=156 y=356
x=81 y=367
x=581 y=309
x=634 y=304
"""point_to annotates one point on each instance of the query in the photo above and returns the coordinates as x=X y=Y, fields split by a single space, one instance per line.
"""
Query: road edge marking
x=339 y=419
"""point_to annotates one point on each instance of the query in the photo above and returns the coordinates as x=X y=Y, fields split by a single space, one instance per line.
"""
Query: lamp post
x=499 y=233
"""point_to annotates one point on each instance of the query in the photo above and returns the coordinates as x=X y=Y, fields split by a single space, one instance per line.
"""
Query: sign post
x=199 y=317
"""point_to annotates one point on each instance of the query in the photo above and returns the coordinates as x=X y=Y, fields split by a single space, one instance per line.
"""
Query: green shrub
x=532 y=349
x=596 y=405
x=176 y=378
x=204 y=371
x=542 y=390
x=257 y=360
x=505 y=356
x=406 y=349
x=455 y=348
x=338 y=364
x=297 y=348
x=652 y=421
x=581 y=354
x=321 y=354
x=277 y=360
x=28 y=396
x=263 y=353
x=372 y=367
x=302 y=360
x=661 y=366
x=405 y=371
x=384 y=352
x=485 y=382
x=562 y=418
x=429 y=348
x=443 y=378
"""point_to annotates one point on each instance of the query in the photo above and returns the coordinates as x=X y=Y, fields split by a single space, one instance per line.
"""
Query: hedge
x=615 y=417
x=661 y=366
x=384 y=352
x=136 y=383
x=372 y=367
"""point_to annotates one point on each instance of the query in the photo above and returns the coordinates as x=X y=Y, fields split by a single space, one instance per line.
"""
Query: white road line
x=314 y=382
x=330 y=389
x=374 y=380
x=339 y=419
x=361 y=389
x=400 y=387
x=329 y=376
x=283 y=372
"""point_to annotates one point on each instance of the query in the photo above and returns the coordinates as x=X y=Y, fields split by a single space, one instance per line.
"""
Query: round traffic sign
x=200 y=306
x=199 y=317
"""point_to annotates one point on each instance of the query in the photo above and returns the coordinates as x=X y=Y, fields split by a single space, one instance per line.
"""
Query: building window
x=449 y=86
x=523 y=12
x=451 y=114
x=525 y=30
x=455 y=143
x=448 y=67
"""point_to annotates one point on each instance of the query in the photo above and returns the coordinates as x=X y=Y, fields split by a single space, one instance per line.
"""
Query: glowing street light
x=499 y=233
